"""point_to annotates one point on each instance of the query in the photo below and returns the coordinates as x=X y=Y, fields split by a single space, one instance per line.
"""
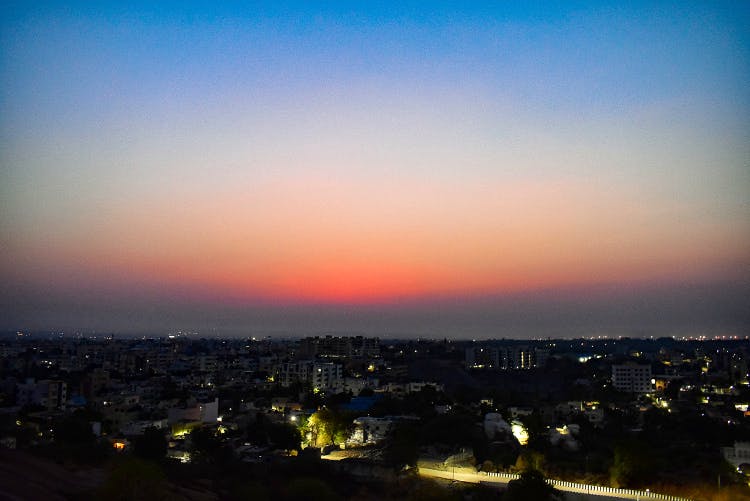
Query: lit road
x=584 y=491
x=460 y=476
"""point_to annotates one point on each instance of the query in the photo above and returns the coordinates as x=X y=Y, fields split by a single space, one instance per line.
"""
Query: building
x=541 y=357
x=326 y=376
x=204 y=412
x=320 y=375
x=505 y=357
x=289 y=373
x=482 y=357
x=738 y=454
x=521 y=357
x=207 y=363
x=370 y=430
x=401 y=389
x=50 y=394
x=139 y=427
x=632 y=378
x=354 y=385
x=94 y=383
x=339 y=347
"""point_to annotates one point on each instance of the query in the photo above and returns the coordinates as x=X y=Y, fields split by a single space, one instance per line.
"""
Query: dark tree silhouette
x=151 y=445
x=532 y=485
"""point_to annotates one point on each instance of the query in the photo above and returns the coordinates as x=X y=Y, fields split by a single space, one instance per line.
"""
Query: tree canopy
x=531 y=485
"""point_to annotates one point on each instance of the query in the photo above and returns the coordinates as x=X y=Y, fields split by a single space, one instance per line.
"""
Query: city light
x=519 y=431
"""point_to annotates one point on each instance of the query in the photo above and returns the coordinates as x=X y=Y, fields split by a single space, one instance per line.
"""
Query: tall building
x=482 y=357
x=632 y=378
x=505 y=357
x=338 y=347
x=326 y=376
x=521 y=357
x=50 y=394
x=320 y=375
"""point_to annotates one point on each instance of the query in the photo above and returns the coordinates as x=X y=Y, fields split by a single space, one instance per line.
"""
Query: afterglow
x=223 y=167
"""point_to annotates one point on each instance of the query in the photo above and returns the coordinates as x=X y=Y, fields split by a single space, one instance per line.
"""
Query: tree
x=530 y=460
x=328 y=427
x=75 y=440
x=284 y=436
x=455 y=429
x=402 y=448
x=531 y=485
x=537 y=431
x=205 y=446
x=488 y=466
x=151 y=445
x=257 y=432
x=631 y=466
x=74 y=429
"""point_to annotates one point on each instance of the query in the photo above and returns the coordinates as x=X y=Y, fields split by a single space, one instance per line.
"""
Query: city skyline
x=481 y=171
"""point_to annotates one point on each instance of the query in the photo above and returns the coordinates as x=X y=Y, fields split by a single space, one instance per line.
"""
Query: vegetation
x=152 y=445
x=207 y=447
x=327 y=427
x=282 y=436
x=531 y=485
x=402 y=449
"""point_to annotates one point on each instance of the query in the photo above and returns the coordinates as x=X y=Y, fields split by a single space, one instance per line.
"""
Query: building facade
x=632 y=378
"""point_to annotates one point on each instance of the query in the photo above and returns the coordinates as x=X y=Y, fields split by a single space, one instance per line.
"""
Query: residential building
x=632 y=378
x=738 y=454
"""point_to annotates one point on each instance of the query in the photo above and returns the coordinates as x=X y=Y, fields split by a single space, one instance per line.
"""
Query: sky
x=508 y=169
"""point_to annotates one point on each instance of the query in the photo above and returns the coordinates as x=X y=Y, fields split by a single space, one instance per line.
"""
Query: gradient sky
x=506 y=170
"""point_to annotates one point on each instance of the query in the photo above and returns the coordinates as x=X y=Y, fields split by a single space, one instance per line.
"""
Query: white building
x=205 y=412
x=289 y=373
x=632 y=378
x=370 y=430
x=139 y=427
x=738 y=454
x=326 y=376
x=322 y=376
x=401 y=389
x=354 y=385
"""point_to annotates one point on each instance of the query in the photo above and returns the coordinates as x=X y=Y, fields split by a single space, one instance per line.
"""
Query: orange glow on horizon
x=339 y=244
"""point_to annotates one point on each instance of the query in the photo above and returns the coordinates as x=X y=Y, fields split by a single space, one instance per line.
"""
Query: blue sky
x=370 y=154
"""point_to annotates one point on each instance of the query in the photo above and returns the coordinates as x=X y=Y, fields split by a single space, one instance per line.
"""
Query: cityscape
x=363 y=251
x=261 y=418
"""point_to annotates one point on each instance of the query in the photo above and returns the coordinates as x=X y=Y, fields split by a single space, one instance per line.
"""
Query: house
x=738 y=454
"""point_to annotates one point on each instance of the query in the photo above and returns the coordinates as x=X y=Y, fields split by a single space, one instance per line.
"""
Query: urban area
x=355 y=417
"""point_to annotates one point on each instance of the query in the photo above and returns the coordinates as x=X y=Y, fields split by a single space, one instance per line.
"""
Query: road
x=581 y=493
